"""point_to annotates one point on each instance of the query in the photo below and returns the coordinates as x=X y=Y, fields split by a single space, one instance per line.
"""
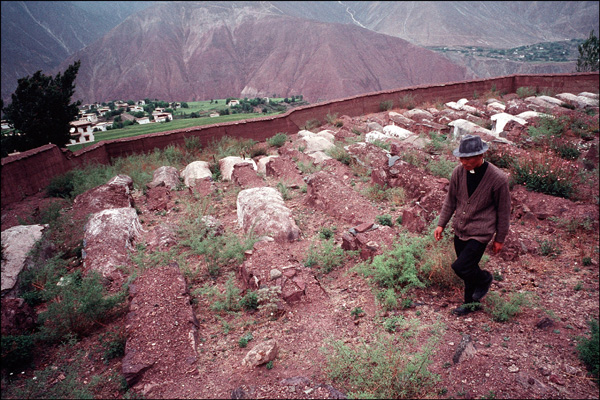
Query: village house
x=81 y=132
x=162 y=117
x=91 y=117
x=5 y=125
x=234 y=103
x=101 y=127
x=141 y=102
x=213 y=115
x=143 y=120
x=136 y=108
x=103 y=110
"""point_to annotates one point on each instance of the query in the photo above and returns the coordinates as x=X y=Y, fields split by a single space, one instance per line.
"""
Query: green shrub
x=499 y=157
x=357 y=312
x=523 y=92
x=387 y=299
x=38 y=283
x=397 y=268
x=340 y=154
x=441 y=168
x=80 y=303
x=218 y=250
x=381 y=144
x=113 y=343
x=566 y=151
x=547 y=128
x=544 y=175
x=549 y=248
x=249 y=301
x=17 y=351
x=588 y=350
x=386 y=105
x=312 y=124
x=326 y=255
x=504 y=310
x=586 y=261
x=407 y=101
x=382 y=369
x=278 y=139
x=385 y=220
x=437 y=144
x=244 y=340
x=268 y=297
x=283 y=189
x=392 y=323
x=326 y=233
x=192 y=144
x=61 y=185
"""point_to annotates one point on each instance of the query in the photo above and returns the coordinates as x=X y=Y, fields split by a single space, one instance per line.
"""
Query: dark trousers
x=466 y=266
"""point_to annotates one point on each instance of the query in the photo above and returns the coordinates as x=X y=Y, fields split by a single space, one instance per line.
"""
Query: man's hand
x=437 y=234
x=496 y=247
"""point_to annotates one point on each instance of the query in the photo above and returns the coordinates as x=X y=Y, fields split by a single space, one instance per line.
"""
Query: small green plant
x=278 y=139
x=381 y=144
x=61 y=185
x=498 y=276
x=544 y=175
x=357 y=312
x=566 y=151
x=547 y=128
x=249 y=301
x=437 y=144
x=586 y=261
x=386 y=105
x=80 y=302
x=407 y=101
x=578 y=286
x=269 y=365
x=398 y=267
x=268 y=298
x=385 y=220
x=192 y=144
x=504 y=310
x=391 y=324
x=285 y=192
x=326 y=233
x=387 y=299
x=326 y=255
x=549 y=248
x=406 y=303
x=588 y=348
x=113 y=343
x=441 y=168
x=340 y=154
x=382 y=368
x=526 y=91
x=312 y=124
x=17 y=351
x=243 y=341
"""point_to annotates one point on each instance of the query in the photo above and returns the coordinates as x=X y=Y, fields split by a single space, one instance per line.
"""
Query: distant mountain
x=187 y=50
x=42 y=34
x=39 y=35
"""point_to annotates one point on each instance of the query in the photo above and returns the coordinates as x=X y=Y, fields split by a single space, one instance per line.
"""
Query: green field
x=136 y=130
x=206 y=106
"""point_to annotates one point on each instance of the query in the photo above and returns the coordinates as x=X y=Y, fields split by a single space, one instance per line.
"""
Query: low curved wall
x=31 y=171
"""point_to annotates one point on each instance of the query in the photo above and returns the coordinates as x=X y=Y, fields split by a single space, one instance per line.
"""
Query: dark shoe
x=482 y=290
x=466 y=309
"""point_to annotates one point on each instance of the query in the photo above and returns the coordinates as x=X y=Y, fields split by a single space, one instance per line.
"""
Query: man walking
x=480 y=196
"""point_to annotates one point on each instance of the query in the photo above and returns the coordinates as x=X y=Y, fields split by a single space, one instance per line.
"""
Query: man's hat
x=470 y=145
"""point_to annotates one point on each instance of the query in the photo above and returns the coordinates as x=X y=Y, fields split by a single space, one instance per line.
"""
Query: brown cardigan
x=486 y=212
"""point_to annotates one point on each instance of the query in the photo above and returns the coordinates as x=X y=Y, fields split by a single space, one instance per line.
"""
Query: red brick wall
x=31 y=171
